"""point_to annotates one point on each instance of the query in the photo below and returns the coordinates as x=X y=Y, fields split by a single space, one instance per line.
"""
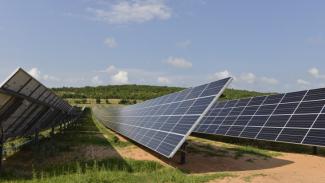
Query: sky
x=269 y=46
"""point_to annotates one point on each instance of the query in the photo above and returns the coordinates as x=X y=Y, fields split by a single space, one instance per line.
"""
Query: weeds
x=240 y=151
x=52 y=161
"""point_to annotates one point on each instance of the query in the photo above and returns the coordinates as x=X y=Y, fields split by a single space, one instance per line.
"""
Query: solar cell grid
x=297 y=117
x=26 y=104
x=162 y=124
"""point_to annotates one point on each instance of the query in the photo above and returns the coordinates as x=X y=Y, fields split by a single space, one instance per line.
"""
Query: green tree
x=97 y=100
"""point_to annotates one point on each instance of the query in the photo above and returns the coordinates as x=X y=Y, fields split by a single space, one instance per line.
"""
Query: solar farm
x=191 y=131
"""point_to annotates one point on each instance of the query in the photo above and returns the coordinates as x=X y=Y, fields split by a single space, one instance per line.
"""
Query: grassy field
x=88 y=152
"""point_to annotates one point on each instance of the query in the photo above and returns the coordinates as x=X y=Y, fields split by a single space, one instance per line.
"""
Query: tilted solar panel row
x=27 y=106
x=296 y=117
x=162 y=124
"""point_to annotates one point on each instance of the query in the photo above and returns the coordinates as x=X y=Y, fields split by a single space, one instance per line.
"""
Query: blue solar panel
x=162 y=124
x=27 y=106
x=297 y=117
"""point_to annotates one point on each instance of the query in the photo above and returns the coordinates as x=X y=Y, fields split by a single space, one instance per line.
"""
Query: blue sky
x=266 y=45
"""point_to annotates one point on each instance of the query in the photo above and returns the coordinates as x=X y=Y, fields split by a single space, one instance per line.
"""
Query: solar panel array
x=27 y=106
x=162 y=124
x=297 y=117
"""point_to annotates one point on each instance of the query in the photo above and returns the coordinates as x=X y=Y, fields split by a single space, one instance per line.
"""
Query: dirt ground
x=286 y=168
x=302 y=168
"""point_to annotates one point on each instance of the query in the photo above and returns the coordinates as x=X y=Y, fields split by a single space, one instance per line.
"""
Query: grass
x=232 y=94
x=113 y=139
x=240 y=151
x=259 y=145
x=100 y=174
x=61 y=159
x=206 y=150
x=206 y=147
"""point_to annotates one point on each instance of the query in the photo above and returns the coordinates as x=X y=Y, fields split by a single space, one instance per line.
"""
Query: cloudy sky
x=265 y=45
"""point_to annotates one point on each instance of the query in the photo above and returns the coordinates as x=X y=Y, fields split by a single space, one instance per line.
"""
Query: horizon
x=264 y=46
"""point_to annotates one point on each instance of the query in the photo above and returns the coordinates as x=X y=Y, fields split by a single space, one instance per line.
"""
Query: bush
x=115 y=139
x=124 y=101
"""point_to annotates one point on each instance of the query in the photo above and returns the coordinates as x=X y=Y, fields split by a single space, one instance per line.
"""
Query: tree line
x=133 y=92
x=130 y=93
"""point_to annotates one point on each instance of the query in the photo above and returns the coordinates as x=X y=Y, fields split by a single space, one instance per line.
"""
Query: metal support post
x=36 y=137
x=183 y=153
x=61 y=128
x=1 y=149
x=315 y=150
x=52 y=131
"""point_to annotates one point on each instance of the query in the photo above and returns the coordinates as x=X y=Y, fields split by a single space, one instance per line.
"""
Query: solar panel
x=27 y=106
x=162 y=124
x=297 y=117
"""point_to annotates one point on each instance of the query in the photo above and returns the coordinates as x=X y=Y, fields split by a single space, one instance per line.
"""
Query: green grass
x=206 y=147
x=240 y=151
x=51 y=162
x=101 y=175
x=261 y=145
x=206 y=150
x=115 y=170
x=232 y=94
x=113 y=139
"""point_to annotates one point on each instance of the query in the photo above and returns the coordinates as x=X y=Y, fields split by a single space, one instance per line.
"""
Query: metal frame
x=201 y=117
x=291 y=114
x=43 y=106
x=158 y=102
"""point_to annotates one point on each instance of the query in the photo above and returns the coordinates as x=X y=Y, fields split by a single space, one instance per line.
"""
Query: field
x=89 y=152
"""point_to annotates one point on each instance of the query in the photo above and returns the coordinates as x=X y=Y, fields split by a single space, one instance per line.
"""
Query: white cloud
x=302 y=82
x=50 y=78
x=248 y=78
x=96 y=80
x=163 y=80
x=268 y=80
x=247 y=81
x=136 y=11
x=35 y=72
x=179 y=62
x=184 y=44
x=222 y=74
x=117 y=76
x=314 y=72
x=110 y=42
x=111 y=69
x=120 y=78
